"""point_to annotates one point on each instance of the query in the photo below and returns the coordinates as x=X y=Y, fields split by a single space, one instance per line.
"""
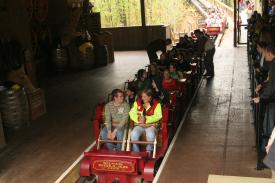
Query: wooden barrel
x=106 y=38
x=60 y=59
x=73 y=54
x=101 y=55
x=14 y=107
x=87 y=59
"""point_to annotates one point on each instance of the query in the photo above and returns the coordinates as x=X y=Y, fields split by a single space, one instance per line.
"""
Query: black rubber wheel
x=90 y=179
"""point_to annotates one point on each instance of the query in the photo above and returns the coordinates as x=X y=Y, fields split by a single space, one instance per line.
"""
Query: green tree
x=116 y=13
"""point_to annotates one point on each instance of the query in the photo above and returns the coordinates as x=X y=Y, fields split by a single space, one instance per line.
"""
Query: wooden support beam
x=2 y=136
x=235 y=24
x=142 y=13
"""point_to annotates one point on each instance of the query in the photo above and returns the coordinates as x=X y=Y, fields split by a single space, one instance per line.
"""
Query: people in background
x=266 y=92
x=163 y=61
x=184 y=43
x=261 y=65
x=142 y=81
x=265 y=35
x=272 y=11
x=184 y=62
x=159 y=93
x=268 y=89
x=239 y=23
x=146 y=114
x=130 y=95
x=156 y=86
x=116 y=118
x=168 y=83
x=206 y=46
x=154 y=73
x=155 y=46
x=174 y=73
x=193 y=36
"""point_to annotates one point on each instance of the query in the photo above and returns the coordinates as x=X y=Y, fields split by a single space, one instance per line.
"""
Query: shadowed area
x=44 y=151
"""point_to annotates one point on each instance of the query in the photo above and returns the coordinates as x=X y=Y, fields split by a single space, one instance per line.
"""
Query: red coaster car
x=124 y=166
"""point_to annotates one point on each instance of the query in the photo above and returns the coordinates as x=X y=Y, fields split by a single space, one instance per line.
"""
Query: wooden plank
x=235 y=179
x=136 y=37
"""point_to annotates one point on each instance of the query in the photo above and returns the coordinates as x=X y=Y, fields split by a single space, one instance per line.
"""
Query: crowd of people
x=261 y=35
x=143 y=98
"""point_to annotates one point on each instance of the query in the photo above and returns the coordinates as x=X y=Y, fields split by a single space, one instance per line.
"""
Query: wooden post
x=2 y=136
x=142 y=13
x=235 y=23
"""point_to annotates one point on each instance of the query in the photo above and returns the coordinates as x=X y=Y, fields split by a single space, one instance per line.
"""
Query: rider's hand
x=267 y=148
x=256 y=100
x=113 y=135
x=109 y=136
x=258 y=88
x=141 y=120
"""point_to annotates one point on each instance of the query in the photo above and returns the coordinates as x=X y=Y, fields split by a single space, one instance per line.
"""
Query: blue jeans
x=119 y=136
x=150 y=136
x=268 y=123
x=269 y=119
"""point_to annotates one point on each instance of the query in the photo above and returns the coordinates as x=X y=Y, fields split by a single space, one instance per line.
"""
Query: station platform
x=218 y=135
x=235 y=179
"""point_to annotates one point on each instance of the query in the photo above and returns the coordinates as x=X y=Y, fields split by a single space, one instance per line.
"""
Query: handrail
x=259 y=110
x=123 y=141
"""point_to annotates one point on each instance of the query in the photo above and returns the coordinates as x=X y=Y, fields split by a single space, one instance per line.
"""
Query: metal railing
x=260 y=111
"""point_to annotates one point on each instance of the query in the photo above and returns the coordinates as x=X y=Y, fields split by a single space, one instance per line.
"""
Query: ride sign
x=114 y=165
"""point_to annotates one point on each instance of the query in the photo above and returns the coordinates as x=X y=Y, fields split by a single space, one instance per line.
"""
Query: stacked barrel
x=60 y=59
x=14 y=107
x=87 y=59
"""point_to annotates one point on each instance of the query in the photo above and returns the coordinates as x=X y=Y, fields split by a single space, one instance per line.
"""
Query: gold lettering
x=114 y=165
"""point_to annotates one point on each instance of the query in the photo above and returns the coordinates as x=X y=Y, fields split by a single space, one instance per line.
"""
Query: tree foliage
x=118 y=13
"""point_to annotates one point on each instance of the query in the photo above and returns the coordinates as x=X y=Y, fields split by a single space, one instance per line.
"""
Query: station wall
x=14 y=21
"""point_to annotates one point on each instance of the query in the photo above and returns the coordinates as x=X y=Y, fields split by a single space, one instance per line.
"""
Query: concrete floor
x=45 y=150
x=218 y=136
